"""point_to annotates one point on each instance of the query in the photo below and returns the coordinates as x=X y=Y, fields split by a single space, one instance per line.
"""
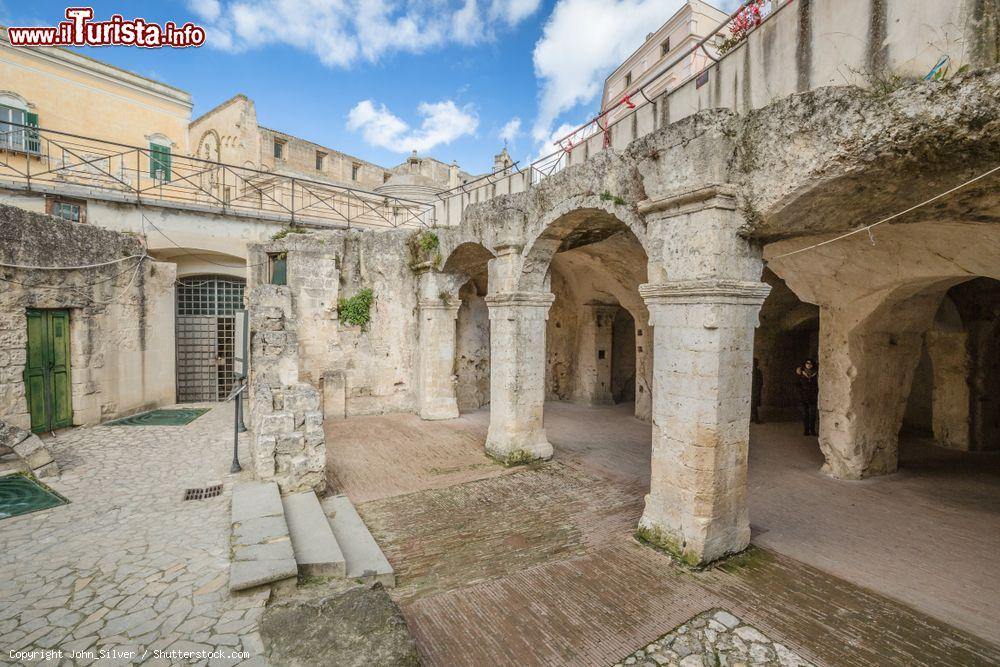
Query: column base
x=512 y=452
x=698 y=547
x=441 y=410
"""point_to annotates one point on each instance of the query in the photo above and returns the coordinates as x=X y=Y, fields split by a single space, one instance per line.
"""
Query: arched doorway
x=205 y=328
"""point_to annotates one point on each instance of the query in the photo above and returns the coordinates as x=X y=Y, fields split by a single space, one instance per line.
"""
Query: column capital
x=710 y=291
x=439 y=305
x=522 y=299
x=715 y=195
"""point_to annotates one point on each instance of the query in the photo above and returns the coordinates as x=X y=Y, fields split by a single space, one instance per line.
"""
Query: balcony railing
x=38 y=159
x=746 y=18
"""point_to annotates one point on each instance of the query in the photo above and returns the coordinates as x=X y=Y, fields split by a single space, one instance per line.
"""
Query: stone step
x=261 y=547
x=315 y=547
x=364 y=557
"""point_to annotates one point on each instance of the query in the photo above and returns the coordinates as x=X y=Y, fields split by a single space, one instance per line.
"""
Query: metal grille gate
x=205 y=328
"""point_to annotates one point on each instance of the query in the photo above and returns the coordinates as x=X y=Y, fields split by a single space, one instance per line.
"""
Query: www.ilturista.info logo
x=80 y=30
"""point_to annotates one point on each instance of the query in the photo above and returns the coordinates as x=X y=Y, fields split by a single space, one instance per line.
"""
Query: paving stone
x=696 y=643
x=134 y=586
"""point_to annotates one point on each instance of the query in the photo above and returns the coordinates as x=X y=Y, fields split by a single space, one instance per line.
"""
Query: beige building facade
x=678 y=34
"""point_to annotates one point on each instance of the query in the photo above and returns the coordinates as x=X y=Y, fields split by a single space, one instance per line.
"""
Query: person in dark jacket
x=756 y=388
x=807 y=386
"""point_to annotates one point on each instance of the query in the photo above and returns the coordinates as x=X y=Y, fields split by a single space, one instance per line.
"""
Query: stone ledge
x=522 y=299
x=716 y=195
x=738 y=292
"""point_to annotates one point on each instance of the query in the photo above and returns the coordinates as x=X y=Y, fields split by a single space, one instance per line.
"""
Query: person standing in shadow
x=807 y=385
x=756 y=388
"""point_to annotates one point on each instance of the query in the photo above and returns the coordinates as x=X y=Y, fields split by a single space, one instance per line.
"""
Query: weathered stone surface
x=359 y=627
x=29 y=448
x=703 y=642
x=121 y=324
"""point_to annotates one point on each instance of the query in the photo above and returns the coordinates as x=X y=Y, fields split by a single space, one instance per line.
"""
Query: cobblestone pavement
x=127 y=566
x=715 y=638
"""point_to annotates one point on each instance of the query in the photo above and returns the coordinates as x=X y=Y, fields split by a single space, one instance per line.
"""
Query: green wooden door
x=47 y=373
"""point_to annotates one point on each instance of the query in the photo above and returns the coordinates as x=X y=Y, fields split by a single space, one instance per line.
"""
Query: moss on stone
x=663 y=541
x=517 y=458
x=749 y=558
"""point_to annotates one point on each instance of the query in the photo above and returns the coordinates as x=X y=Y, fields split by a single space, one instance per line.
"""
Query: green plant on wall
x=425 y=246
x=357 y=309
x=286 y=231
x=428 y=242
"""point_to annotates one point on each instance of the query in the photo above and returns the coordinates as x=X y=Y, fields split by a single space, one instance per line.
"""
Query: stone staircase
x=275 y=539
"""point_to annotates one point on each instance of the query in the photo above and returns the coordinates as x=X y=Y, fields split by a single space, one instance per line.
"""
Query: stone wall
x=359 y=369
x=121 y=316
x=286 y=419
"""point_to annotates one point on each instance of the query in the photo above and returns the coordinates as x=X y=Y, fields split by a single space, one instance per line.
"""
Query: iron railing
x=38 y=159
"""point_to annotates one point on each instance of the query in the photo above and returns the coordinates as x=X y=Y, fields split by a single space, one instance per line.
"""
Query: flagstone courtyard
x=536 y=565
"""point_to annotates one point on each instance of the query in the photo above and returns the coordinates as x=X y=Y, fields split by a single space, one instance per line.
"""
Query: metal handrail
x=626 y=98
x=99 y=165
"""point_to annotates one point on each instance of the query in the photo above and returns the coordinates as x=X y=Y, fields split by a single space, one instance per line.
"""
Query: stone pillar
x=702 y=359
x=436 y=366
x=517 y=376
x=703 y=296
x=949 y=356
x=596 y=341
x=866 y=370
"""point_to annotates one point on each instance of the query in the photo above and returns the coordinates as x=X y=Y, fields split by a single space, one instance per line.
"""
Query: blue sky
x=375 y=78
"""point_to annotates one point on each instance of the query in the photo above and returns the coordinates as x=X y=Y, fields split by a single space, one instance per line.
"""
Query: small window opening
x=278 y=268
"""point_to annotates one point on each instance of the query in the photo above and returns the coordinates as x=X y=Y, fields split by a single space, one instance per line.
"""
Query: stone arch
x=9 y=98
x=575 y=222
x=210 y=147
x=469 y=262
x=466 y=258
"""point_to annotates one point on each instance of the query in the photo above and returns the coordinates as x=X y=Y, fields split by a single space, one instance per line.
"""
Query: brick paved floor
x=127 y=565
x=536 y=566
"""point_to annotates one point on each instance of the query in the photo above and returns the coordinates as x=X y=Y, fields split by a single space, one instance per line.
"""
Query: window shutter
x=159 y=161
x=34 y=141
x=165 y=155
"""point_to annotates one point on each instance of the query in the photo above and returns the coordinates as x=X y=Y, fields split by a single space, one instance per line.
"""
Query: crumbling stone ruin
x=640 y=275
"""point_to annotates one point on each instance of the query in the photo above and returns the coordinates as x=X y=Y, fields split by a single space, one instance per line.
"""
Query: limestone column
x=594 y=361
x=517 y=375
x=948 y=351
x=704 y=296
x=866 y=367
x=702 y=358
x=436 y=359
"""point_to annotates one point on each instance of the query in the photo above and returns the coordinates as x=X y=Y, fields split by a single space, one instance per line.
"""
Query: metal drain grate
x=202 y=494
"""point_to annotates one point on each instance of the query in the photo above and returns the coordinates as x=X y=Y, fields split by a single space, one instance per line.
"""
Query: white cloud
x=442 y=123
x=510 y=130
x=207 y=10
x=582 y=42
x=341 y=32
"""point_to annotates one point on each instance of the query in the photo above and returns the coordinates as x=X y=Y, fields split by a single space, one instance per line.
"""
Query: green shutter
x=159 y=160
x=33 y=143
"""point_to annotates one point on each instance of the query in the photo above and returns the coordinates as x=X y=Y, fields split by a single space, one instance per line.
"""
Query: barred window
x=209 y=295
